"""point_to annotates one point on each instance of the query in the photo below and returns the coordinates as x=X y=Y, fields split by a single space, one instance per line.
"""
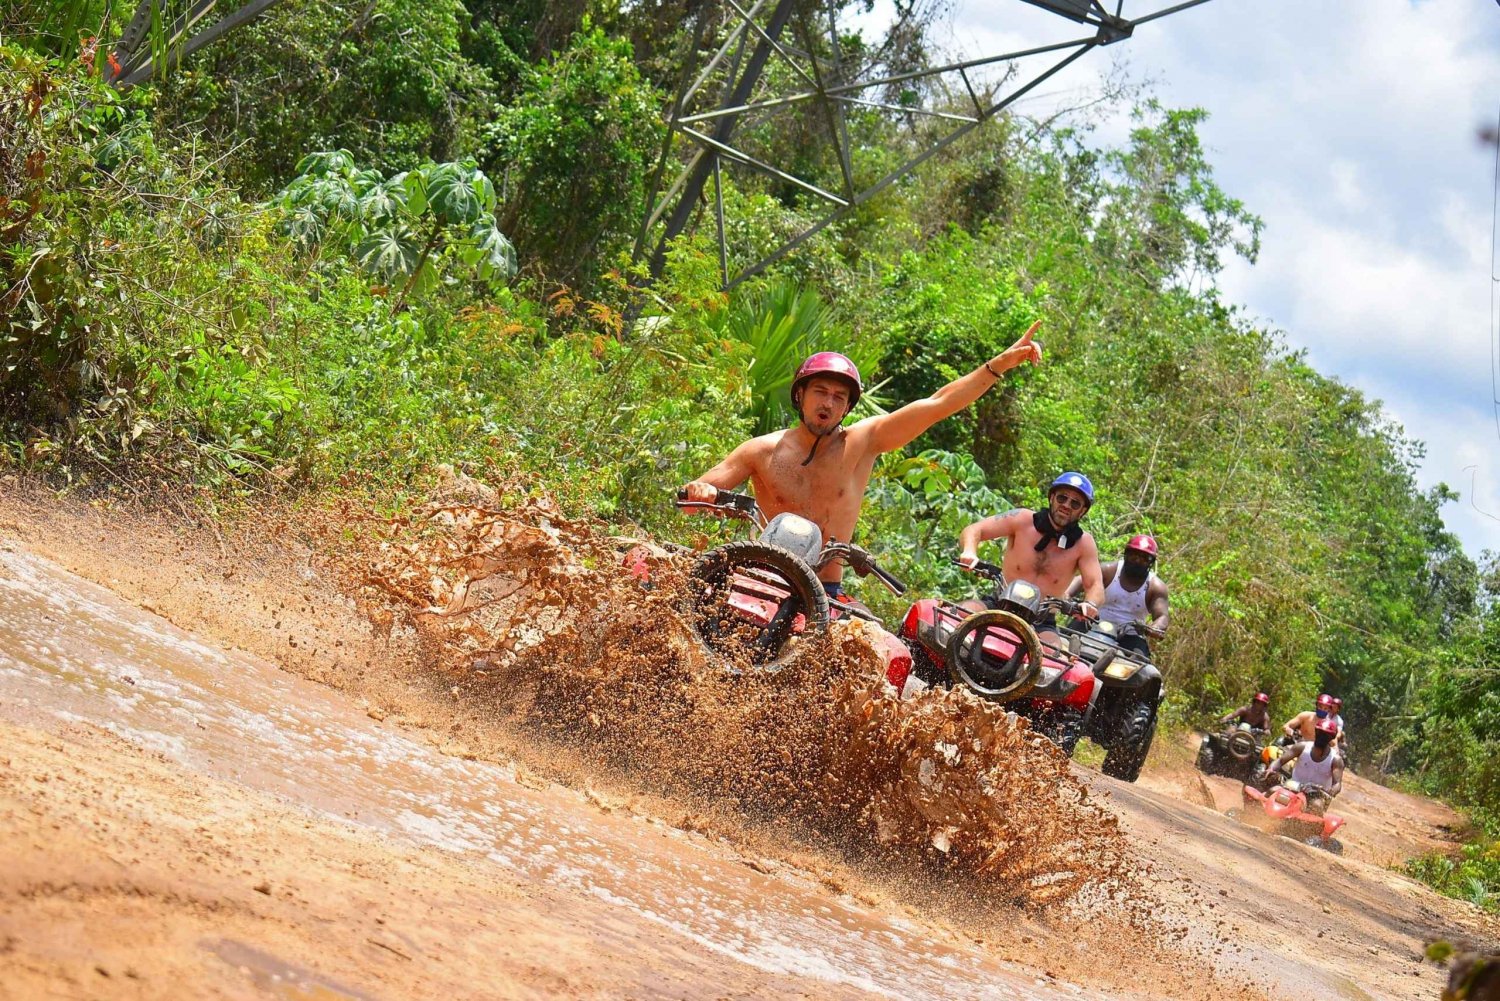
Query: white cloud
x=1346 y=187
x=1364 y=303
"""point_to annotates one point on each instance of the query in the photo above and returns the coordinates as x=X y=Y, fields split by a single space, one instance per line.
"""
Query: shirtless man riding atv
x=1047 y=548
x=1303 y=725
x=1257 y=713
x=819 y=469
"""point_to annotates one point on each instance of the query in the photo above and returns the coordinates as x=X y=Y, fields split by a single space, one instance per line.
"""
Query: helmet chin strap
x=817 y=437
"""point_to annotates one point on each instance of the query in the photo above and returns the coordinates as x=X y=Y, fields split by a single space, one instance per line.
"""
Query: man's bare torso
x=1256 y=717
x=1305 y=723
x=1052 y=569
x=827 y=491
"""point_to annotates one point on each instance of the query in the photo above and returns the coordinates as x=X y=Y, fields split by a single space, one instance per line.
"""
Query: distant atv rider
x=1257 y=713
x=1318 y=763
x=1303 y=725
x=1133 y=593
x=820 y=469
x=1047 y=547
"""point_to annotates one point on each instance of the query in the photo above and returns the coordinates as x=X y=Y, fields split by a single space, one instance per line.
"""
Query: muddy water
x=71 y=649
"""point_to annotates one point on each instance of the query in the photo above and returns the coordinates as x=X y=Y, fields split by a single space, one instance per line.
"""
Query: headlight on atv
x=1121 y=669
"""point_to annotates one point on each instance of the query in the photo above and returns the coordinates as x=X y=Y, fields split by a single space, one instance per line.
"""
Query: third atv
x=1238 y=752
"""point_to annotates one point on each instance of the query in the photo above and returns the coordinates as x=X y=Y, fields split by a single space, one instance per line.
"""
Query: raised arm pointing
x=899 y=428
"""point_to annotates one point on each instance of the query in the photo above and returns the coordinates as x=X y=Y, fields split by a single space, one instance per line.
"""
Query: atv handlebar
x=733 y=505
x=1146 y=629
x=862 y=562
x=983 y=569
x=1066 y=606
x=725 y=502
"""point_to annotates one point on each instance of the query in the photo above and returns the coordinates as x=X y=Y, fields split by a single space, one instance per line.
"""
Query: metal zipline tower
x=162 y=33
x=821 y=87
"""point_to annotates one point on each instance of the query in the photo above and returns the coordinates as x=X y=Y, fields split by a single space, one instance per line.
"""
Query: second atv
x=1086 y=685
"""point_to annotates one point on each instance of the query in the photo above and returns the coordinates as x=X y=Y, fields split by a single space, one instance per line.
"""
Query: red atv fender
x=1063 y=680
x=757 y=596
x=1289 y=806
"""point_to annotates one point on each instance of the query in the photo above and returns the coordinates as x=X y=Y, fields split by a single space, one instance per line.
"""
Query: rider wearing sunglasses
x=1048 y=548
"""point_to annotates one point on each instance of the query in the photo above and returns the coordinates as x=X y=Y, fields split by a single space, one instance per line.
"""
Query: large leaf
x=385 y=202
x=324 y=163
x=391 y=253
x=305 y=225
x=489 y=251
x=459 y=194
x=783 y=324
x=414 y=183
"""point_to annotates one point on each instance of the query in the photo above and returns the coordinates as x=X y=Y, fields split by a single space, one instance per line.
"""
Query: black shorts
x=1136 y=643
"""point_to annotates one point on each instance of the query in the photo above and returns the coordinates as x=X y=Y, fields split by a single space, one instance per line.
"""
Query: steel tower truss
x=822 y=88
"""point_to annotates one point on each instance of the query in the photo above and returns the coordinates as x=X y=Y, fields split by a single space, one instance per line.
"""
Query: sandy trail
x=143 y=814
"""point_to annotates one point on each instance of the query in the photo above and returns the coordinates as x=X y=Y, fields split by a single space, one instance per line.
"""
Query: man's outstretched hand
x=1023 y=351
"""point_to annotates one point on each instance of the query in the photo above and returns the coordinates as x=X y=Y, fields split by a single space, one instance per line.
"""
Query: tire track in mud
x=946 y=796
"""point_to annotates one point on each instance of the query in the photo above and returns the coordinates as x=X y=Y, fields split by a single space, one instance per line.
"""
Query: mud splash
x=530 y=614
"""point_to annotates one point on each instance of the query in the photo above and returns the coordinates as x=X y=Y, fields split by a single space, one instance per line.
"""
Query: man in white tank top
x=1317 y=763
x=1133 y=593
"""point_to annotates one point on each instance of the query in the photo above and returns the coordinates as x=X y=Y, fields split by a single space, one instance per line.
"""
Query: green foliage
x=75 y=159
x=399 y=226
x=385 y=79
x=917 y=507
x=1474 y=876
x=943 y=311
x=571 y=154
x=58 y=28
x=780 y=325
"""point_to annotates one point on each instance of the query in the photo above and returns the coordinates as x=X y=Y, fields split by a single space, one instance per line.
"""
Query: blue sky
x=1351 y=130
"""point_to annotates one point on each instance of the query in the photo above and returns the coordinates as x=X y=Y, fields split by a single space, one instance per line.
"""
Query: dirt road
x=186 y=814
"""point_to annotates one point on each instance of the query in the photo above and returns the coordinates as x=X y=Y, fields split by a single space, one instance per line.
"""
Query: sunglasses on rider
x=1070 y=501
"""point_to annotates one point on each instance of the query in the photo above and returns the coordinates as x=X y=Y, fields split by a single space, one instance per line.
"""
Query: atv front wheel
x=754 y=567
x=1206 y=760
x=1128 y=753
x=999 y=681
x=1332 y=845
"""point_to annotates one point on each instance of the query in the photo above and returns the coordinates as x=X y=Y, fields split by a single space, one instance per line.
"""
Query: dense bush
x=1473 y=876
x=386 y=80
x=570 y=155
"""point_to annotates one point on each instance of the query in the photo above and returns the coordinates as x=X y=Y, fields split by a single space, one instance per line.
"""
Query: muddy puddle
x=73 y=651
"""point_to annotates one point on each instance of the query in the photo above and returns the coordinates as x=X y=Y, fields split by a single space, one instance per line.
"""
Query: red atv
x=1085 y=686
x=1296 y=811
x=753 y=603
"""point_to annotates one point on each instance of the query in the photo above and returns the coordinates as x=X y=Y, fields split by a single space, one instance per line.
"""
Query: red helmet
x=1338 y=703
x=1325 y=703
x=1262 y=697
x=829 y=363
x=1327 y=726
x=1143 y=544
